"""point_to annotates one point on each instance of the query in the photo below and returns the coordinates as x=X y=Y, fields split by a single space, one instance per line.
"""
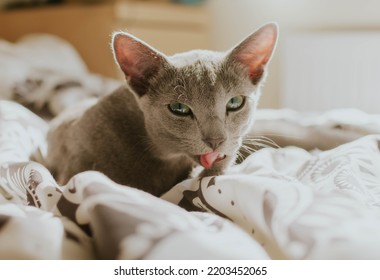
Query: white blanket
x=298 y=205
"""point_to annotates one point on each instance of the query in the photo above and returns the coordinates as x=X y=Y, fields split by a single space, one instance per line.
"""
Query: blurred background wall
x=232 y=20
x=319 y=40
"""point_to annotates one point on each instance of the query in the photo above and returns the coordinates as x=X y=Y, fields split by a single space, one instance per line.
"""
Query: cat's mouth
x=208 y=160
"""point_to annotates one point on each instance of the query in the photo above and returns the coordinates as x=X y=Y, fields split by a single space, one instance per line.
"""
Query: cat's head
x=199 y=103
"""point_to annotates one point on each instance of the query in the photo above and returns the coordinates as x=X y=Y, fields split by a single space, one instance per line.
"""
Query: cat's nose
x=214 y=143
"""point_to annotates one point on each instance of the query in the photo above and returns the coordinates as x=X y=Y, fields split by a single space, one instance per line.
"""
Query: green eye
x=180 y=109
x=235 y=103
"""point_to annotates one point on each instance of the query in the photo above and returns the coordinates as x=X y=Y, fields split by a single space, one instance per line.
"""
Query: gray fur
x=131 y=135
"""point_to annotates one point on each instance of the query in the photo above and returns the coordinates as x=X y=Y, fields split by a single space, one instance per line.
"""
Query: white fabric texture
x=299 y=205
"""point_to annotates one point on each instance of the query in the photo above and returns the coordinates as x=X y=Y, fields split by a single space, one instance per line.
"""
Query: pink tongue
x=207 y=160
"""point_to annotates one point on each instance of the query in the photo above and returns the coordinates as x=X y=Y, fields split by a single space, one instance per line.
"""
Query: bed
x=306 y=187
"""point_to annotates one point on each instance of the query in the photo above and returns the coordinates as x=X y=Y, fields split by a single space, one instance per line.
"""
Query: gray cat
x=175 y=112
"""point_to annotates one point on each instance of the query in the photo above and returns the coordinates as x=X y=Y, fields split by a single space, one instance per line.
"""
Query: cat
x=174 y=113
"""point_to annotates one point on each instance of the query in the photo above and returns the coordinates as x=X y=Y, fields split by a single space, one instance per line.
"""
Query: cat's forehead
x=195 y=74
x=193 y=57
x=203 y=70
x=198 y=66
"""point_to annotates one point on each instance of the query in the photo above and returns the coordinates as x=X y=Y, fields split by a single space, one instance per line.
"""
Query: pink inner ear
x=126 y=49
x=256 y=51
x=256 y=62
x=135 y=58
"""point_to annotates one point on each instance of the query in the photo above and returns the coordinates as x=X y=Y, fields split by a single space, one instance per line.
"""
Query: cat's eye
x=180 y=109
x=235 y=103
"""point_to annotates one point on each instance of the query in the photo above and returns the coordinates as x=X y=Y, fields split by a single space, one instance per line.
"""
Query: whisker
x=262 y=141
x=279 y=135
x=245 y=151
x=248 y=149
x=253 y=143
x=258 y=137
x=239 y=157
x=242 y=156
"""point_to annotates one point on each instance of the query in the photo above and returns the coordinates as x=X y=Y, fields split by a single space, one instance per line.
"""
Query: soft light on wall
x=232 y=20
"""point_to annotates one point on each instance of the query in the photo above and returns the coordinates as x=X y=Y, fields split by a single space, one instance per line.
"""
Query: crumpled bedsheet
x=46 y=74
x=299 y=205
x=284 y=203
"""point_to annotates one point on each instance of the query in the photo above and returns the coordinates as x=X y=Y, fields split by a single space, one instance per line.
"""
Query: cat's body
x=175 y=112
x=116 y=144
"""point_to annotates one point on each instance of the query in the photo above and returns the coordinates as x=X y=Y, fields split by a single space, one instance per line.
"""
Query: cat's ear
x=255 y=51
x=138 y=61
